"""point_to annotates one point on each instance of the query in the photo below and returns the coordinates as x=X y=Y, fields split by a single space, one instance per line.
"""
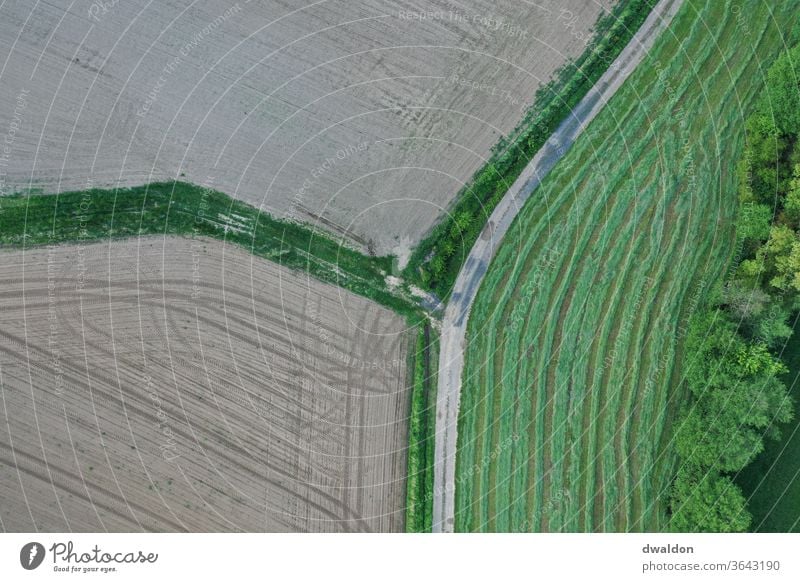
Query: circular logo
x=31 y=555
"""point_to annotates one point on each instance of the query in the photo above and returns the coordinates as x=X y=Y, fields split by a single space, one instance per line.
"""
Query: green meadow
x=573 y=372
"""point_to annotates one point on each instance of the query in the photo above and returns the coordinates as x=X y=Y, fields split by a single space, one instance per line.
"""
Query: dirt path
x=451 y=360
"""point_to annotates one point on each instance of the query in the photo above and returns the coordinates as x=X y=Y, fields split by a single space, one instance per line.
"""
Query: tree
x=781 y=258
x=716 y=442
x=792 y=203
x=771 y=327
x=753 y=222
x=463 y=220
x=763 y=170
x=782 y=98
x=738 y=396
x=750 y=271
x=711 y=339
x=448 y=248
x=437 y=265
x=746 y=302
x=707 y=502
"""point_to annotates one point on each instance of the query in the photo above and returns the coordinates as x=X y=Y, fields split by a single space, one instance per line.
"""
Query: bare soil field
x=363 y=117
x=179 y=384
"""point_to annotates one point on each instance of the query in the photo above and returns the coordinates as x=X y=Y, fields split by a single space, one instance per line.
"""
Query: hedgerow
x=438 y=258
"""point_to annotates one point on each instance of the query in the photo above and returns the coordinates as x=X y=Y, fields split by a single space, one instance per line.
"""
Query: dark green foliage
x=772 y=328
x=770 y=483
x=705 y=501
x=178 y=208
x=767 y=166
x=739 y=398
x=783 y=92
x=753 y=222
x=792 y=202
x=437 y=259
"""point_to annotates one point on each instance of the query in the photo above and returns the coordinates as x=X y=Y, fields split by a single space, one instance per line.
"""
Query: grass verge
x=436 y=261
x=179 y=208
x=422 y=427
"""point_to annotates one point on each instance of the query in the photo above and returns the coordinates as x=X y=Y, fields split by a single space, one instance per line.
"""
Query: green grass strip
x=179 y=208
x=422 y=429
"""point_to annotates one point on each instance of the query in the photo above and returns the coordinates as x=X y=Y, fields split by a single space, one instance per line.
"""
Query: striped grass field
x=573 y=359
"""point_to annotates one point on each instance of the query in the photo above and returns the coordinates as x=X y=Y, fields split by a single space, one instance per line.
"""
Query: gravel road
x=454 y=326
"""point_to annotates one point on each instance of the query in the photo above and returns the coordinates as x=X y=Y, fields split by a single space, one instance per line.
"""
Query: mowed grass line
x=636 y=291
x=587 y=370
x=619 y=468
x=561 y=277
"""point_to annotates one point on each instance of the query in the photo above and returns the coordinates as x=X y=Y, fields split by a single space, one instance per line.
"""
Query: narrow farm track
x=454 y=327
x=572 y=351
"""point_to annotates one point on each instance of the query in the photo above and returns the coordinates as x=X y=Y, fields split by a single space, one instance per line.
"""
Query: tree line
x=436 y=260
x=734 y=378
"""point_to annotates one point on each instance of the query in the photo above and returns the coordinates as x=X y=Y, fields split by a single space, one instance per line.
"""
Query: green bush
x=437 y=259
x=705 y=501
x=421 y=433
